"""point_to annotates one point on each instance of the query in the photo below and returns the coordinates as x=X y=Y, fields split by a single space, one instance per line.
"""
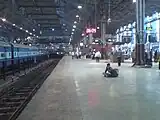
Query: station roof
x=56 y=17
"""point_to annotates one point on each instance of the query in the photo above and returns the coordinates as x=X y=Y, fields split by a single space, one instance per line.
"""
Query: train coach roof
x=24 y=46
x=4 y=44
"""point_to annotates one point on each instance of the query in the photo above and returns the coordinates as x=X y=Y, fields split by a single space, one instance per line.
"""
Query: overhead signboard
x=149 y=28
x=90 y=30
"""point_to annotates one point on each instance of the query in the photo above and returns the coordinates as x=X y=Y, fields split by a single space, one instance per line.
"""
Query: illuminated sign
x=90 y=30
x=149 y=28
x=121 y=29
x=83 y=34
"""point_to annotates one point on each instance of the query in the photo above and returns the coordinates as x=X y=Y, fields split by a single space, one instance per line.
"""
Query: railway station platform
x=76 y=90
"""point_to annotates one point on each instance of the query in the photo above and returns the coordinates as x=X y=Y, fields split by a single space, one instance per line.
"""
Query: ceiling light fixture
x=74 y=26
x=79 y=7
x=134 y=1
x=3 y=19
x=75 y=22
x=77 y=16
x=73 y=29
x=13 y=24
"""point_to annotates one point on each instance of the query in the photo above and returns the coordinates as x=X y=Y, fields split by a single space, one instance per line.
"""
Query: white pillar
x=90 y=38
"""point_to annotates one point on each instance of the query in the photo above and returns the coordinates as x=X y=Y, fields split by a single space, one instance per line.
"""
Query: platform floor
x=76 y=90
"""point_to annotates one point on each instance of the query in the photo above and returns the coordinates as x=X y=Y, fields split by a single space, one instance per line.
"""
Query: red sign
x=90 y=30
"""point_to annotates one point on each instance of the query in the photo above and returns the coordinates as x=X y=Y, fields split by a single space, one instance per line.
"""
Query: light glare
x=79 y=7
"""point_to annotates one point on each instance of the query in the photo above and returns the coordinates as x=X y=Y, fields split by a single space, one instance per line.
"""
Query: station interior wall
x=151 y=36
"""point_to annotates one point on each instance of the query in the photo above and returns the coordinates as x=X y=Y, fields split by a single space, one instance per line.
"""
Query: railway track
x=14 y=101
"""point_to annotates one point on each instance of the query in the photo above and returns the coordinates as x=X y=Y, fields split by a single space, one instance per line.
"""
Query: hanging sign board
x=90 y=30
x=149 y=28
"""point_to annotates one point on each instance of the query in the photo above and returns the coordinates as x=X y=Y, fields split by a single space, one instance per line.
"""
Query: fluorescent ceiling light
x=3 y=19
x=79 y=7
x=134 y=1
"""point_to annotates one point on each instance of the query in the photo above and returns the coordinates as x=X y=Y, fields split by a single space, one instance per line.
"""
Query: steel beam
x=49 y=26
x=40 y=6
x=44 y=17
x=44 y=13
x=48 y=23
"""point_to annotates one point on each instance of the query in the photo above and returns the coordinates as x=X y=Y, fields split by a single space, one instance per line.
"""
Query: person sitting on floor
x=110 y=72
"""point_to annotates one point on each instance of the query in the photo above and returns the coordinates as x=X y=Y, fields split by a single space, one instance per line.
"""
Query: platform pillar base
x=140 y=60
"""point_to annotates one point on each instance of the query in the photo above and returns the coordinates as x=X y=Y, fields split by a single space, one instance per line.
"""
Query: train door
x=5 y=54
x=12 y=54
x=3 y=57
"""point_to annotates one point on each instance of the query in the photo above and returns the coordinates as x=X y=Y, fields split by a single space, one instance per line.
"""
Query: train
x=13 y=54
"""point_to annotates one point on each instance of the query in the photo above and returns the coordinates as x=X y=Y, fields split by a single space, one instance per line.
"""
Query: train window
x=9 y=54
x=2 y=55
x=15 y=54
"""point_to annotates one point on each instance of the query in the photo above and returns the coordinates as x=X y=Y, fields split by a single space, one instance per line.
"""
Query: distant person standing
x=72 y=55
x=133 y=56
x=119 y=57
x=77 y=55
x=97 y=56
x=155 y=56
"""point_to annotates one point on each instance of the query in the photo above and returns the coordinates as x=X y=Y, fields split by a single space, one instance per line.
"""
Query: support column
x=140 y=14
x=103 y=34
x=84 y=40
x=103 y=31
x=90 y=38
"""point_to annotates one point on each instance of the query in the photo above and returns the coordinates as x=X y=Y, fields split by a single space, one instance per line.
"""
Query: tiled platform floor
x=76 y=90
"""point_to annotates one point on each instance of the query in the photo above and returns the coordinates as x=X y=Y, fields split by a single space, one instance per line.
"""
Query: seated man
x=110 y=72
